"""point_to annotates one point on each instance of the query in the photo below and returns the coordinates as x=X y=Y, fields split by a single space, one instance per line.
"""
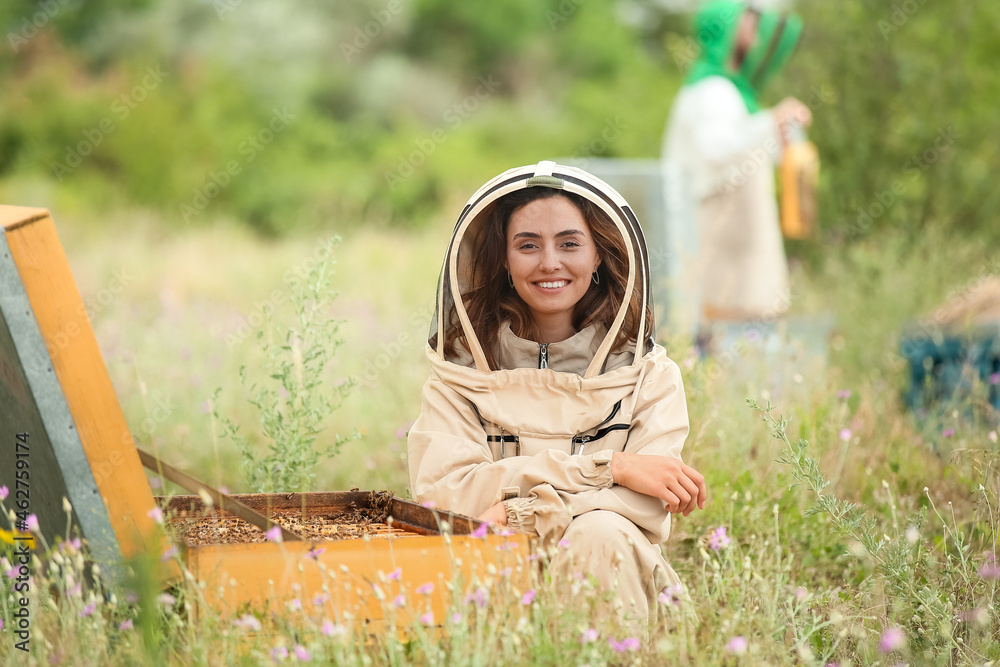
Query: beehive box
x=55 y=387
x=353 y=542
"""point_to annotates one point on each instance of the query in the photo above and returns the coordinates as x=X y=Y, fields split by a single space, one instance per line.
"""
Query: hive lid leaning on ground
x=55 y=387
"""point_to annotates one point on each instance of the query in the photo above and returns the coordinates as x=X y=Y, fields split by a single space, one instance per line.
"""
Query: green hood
x=716 y=25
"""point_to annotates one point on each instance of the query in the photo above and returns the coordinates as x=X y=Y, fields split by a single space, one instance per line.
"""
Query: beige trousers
x=613 y=549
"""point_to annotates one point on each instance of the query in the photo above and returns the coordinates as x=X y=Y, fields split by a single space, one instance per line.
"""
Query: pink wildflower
x=88 y=610
x=4 y=492
x=563 y=544
x=315 y=553
x=395 y=574
x=989 y=571
x=274 y=535
x=302 y=654
x=845 y=434
x=399 y=601
x=331 y=629
x=156 y=514
x=321 y=599
x=481 y=531
x=295 y=605
x=430 y=504
x=480 y=597
x=168 y=554
x=627 y=644
x=248 y=622
x=74 y=590
x=893 y=639
x=456 y=618
x=32 y=522
x=844 y=393
x=995 y=378
x=671 y=595
x=719 y=540
x=588 y=635
x=428 y=618
x=737 y=645
x=425 y=589
x=528 y=597
x=947 y=433
x=166 y=599
x=278 y=654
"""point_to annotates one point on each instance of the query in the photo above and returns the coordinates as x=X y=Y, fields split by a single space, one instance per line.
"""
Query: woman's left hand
x=497 y=515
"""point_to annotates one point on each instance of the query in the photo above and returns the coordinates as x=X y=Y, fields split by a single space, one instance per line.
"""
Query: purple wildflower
x=947 y=433
x=893 y=639
x=627 y=644
x=248 y=622
x=737 y=645
x=480 y=597
x=331 y=629
x=671 y=595
x=989 y=571
x=719 y=540
x=88 y=610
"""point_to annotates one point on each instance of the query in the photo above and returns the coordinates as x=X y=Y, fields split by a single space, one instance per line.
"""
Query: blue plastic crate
x=944 y=366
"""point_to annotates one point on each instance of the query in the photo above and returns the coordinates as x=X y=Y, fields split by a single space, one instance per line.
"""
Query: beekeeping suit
x=539 y=432
x=722 y=147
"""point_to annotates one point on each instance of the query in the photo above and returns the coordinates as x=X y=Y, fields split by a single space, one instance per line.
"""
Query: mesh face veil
x=456 y=273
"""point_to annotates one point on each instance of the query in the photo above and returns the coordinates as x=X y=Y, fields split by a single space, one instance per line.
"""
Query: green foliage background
x=370 y=82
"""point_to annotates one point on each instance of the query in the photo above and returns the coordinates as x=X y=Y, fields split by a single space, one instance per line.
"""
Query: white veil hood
x=454 y=277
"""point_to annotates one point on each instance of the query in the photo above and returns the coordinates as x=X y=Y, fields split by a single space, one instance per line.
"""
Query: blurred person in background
x=722 y=148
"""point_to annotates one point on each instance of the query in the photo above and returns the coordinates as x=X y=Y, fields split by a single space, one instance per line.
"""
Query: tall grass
x=873 y=544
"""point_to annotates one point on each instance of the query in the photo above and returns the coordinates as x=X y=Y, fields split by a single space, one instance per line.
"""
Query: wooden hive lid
x=55 y=387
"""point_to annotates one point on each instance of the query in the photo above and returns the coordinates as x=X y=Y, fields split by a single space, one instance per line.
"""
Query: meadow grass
x=853 y=533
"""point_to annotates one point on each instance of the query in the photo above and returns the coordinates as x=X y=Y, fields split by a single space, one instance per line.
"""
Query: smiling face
x=551 y=257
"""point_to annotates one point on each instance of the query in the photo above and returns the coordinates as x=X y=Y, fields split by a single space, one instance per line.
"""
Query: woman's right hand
x=664 y=477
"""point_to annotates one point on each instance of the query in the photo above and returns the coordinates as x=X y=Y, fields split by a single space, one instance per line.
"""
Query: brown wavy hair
x=491 y=300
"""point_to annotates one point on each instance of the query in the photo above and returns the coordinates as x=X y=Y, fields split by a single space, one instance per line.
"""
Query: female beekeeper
x=549 y=408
